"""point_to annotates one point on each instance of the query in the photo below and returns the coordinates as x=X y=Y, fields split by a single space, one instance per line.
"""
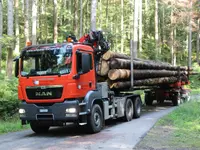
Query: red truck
x=58 y=84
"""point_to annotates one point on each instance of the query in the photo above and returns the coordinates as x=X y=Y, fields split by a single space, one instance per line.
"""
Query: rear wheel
x=129 y=110
x=148 y=99
x=95 y=119
x=39 y=128
x=137 y=107
x=176 y=99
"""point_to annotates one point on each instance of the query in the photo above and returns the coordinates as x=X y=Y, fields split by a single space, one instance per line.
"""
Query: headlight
x=22 y=111
x=71 y=110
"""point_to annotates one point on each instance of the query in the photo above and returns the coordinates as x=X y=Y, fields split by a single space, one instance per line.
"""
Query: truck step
x=81 y=104
x=83 y=123
x=111 y=106
x=82 y=113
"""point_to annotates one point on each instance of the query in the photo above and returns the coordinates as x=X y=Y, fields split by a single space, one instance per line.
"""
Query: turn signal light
x=28 y=43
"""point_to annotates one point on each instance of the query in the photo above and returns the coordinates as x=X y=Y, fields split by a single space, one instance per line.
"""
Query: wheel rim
x=97 y=120
x=138 y=108
x=129 y=109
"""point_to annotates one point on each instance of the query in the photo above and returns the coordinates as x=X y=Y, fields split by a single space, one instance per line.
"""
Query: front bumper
x=55 y=112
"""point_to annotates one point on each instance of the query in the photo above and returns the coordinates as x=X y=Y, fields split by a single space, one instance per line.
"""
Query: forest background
x=164 y=30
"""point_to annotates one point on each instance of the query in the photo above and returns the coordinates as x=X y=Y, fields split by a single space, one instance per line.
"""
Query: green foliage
x=8 y=97
x=195 y=79
x=184 y=116
x=11 y=125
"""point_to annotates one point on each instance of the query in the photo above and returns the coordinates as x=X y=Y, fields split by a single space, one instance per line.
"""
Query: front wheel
x=95 y=119
x=38 y=128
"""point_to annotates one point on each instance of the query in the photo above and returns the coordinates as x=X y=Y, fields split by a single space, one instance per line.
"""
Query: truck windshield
x=47 y=61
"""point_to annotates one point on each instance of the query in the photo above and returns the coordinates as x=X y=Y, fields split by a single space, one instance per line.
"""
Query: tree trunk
x=1 y=30
x=75 y=17
x=135 y=38
x=174 y=54
x=117 y=63
x=106 y=13
x=93 y=14
x=190 y=38
x=17 y=27
x=156 y=29
x=100 y=13
x=34 y=22
x=124 y=74
x=144 y=82
x=140 y=26
x=198 y=37
x=10 y=34
x=163 y=39
x=46 y=24
x=81 y=19
x=110 y=54
x=172 y=38
x=103 y=68
x=26 y=20
x=55 y=18
x=122 y=26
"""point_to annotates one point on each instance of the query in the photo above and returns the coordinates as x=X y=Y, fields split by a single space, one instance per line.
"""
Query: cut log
x=123 y=74
x=144 y=82
x=103 y=68
x=117 y=74
x=117 y=63
x=109 y=54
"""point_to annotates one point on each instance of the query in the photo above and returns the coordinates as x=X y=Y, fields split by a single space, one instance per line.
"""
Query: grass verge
x=11 y=125
x=185 y=122
x=178 y=130
x=195 y=91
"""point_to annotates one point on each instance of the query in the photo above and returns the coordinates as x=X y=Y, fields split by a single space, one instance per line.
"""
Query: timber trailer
x=58 y=84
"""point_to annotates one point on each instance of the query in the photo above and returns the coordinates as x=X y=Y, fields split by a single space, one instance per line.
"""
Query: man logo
x=48 y=93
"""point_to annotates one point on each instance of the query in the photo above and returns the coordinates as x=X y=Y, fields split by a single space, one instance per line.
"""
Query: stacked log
x=115 y=69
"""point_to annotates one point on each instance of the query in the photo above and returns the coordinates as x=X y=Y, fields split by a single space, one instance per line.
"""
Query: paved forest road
x=116 y=135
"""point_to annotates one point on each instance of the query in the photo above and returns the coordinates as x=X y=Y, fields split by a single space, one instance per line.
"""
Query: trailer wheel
x=95 y=119
x=137 y=107
x=148 y=99
x=176 y=99
x=38 y=128
x=129 y=110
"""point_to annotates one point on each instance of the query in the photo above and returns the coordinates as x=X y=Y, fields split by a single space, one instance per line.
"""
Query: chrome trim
x=44 y=87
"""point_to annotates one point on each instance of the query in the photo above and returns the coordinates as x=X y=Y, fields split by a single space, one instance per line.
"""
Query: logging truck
x=58 y=83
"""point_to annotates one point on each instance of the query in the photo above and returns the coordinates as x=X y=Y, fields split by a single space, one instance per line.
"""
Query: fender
x=90 y=97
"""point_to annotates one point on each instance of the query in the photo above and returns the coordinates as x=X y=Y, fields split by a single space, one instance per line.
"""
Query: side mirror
x=16 y=67
x=86 y=61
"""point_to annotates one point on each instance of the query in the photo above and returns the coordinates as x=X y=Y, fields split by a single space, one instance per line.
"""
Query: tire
x=137 y=107
x=38 y=128
x=95 y=119
x=148 y=99
x=129 y=110
x=176 y=99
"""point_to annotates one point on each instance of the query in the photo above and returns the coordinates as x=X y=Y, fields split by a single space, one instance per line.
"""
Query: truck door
x=85 y=78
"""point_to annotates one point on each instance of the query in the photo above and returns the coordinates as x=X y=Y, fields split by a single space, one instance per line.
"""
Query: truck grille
x=44 y=92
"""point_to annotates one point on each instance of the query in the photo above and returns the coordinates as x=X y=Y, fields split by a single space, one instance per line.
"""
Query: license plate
x=43 y=110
